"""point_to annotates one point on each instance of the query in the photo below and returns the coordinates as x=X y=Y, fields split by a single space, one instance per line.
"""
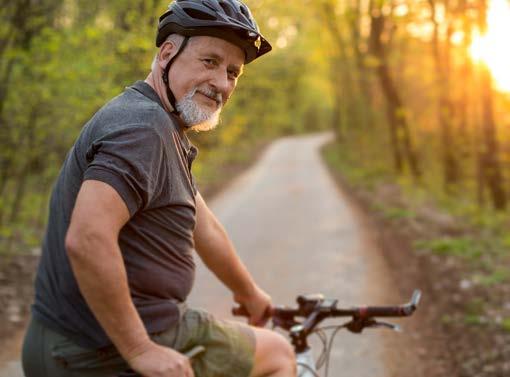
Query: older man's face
x=203 y=77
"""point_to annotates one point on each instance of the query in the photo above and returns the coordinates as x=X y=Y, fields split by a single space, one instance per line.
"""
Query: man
x=125 y=217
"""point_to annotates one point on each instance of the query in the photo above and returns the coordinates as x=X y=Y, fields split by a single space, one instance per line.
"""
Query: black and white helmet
x=230 y=20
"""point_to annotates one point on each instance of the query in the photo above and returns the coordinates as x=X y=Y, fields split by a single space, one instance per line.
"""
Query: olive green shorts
x=229 y=350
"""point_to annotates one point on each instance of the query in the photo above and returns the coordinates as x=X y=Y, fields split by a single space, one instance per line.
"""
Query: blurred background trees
x=436 y=69
x=414 y=90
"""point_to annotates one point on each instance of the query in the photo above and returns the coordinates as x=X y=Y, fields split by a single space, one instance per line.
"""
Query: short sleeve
x=131 y=160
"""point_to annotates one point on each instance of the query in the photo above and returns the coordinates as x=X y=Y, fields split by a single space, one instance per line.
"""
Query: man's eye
x=233 y=75
x=209 y=62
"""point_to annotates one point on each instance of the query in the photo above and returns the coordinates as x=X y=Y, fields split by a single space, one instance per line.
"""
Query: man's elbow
x=71 y=243
x=80 y=243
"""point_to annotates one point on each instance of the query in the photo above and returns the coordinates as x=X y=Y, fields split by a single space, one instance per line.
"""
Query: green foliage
x=395 y=213
x=497 y=276
x=347 y=162
x=474 y=312
x=505 y=324
x=465 y=247
x=447 y=319
x=474 y=320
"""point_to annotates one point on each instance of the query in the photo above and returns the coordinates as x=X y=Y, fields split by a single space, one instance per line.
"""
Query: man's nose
x=222 y=84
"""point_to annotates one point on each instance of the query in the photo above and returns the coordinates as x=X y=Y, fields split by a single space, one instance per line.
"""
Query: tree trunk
x=344 y=111
x=403 y=149
x=490 y=154
x=442 y=63
x=4 y=88
x=25 y=171
x=480 y=180
x=21 y=185
x=363 y=74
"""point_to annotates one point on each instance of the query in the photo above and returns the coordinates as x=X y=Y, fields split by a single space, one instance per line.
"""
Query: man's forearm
x=219 y=255
x=99 y=270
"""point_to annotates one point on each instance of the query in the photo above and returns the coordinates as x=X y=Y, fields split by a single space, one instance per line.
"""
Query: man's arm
x=218 y=253
x=93 y=250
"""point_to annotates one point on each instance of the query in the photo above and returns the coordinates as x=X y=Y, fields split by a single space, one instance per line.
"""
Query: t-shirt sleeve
x=130 y=160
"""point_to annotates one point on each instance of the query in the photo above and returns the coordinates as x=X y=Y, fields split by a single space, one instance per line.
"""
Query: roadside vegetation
x=429 y=158
x=423 y=140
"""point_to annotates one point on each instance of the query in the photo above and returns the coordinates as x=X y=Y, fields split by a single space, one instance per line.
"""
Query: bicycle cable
x=324 y=340
x=327 y=347
x=330 y=346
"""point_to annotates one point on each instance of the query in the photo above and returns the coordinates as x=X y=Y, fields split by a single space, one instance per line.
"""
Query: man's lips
x=213 y=98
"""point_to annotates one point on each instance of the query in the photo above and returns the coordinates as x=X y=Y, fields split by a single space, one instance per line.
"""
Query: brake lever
x=357 y=325
x=386 y=325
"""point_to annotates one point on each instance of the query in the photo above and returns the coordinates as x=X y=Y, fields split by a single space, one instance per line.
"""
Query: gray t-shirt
x=136 y=147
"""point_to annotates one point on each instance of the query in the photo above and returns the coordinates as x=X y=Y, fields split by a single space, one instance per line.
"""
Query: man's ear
x=166 y=52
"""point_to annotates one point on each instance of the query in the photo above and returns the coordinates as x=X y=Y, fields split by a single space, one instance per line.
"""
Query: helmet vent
x=199 y=15
x=245 y=12
x=227 y=8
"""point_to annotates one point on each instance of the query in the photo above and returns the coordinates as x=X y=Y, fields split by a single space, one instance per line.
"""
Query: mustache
x=211 y=93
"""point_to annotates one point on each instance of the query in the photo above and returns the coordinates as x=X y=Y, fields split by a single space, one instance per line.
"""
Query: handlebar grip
x=240 y=311
x=382 y=311
x=392 y=311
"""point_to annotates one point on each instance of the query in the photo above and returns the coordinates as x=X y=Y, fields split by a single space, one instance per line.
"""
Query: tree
x=401 y=139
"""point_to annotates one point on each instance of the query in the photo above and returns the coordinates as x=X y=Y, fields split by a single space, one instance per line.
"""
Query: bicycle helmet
x=230 y=20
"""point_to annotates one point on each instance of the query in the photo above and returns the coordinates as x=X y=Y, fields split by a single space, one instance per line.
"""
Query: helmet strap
x=169 y=94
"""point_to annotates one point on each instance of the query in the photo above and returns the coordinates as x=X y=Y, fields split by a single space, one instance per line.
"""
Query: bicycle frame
x=306 y=364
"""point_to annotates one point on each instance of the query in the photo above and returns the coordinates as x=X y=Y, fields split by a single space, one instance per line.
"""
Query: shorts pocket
x=73 y=357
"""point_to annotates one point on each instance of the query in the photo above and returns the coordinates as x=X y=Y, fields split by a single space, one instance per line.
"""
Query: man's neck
x=160 y=89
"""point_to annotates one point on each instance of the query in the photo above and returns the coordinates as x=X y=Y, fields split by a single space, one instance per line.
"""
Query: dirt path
x=297 y=233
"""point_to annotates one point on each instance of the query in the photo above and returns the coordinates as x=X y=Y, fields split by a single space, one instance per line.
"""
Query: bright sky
x=493 y=48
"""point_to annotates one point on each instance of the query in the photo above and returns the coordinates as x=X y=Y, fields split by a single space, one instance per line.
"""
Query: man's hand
x=258 y=305
x=159 y=361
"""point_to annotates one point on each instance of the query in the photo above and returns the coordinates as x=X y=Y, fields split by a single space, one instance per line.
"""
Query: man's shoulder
x=131 y=109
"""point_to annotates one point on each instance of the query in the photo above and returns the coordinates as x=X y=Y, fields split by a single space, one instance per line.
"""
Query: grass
x=396 y=213
x=505 y=324
x=465 y=247
x=474 y=320
x=346 y=164
x=498 y=276
x=475 y=313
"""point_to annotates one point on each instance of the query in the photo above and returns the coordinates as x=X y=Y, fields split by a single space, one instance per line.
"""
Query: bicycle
x=314 y=309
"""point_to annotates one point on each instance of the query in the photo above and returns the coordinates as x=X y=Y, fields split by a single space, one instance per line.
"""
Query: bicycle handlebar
x=326 y=308
x=381 y=311
x=315 y=308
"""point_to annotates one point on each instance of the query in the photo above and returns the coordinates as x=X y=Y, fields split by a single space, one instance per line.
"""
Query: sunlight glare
x=492 y=48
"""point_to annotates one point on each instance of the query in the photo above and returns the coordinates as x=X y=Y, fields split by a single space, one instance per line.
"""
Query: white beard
x=196 y=117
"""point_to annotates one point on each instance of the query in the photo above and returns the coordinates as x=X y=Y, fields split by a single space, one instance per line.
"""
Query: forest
x=416 y=91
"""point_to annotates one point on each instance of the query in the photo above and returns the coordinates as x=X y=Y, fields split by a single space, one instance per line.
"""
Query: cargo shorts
x=229 y=350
